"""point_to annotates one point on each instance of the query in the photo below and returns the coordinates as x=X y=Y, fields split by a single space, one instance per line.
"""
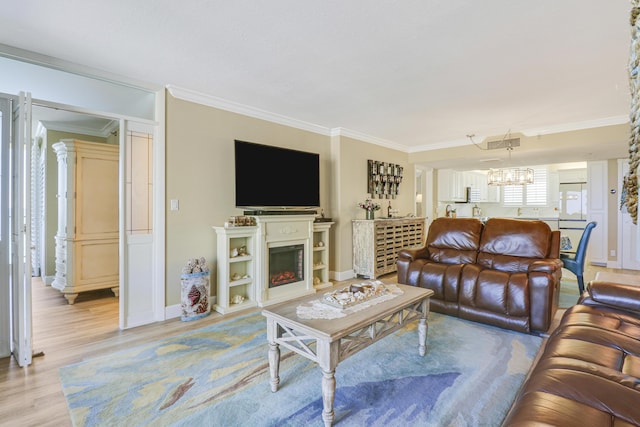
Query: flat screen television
x=269 y=177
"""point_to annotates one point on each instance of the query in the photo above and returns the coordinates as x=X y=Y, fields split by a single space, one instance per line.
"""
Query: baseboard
x=48 y=280
x=342 y=275
x=613 y=264
x=173 y=311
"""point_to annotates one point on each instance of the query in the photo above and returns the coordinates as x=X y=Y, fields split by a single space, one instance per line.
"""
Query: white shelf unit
x=321 y=255
x=242 y=266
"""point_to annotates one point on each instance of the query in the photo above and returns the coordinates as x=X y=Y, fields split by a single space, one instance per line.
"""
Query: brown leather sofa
x=505 y=272
x=589 y=371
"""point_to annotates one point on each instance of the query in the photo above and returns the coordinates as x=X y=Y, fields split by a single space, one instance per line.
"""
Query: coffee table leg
x=423 y=327
x=274 y=354
x=274 y=365
x=328 y=355
x=328 y=396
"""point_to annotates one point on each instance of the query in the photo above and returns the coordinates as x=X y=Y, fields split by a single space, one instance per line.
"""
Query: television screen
x=274 y=177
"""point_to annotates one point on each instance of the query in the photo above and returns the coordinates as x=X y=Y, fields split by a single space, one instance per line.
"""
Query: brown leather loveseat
x=589 y=371
x=505 y=272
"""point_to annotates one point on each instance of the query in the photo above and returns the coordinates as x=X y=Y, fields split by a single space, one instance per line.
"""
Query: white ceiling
x=418 y=74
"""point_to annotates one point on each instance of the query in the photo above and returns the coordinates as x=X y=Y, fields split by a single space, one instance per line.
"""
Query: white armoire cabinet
x=88 y=226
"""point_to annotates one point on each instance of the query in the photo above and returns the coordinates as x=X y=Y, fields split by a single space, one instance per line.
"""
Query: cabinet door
x=572 y=175
x=451 y=186
x=97 y=210
x=459 y=187
x=478 y=184
x=493 y=193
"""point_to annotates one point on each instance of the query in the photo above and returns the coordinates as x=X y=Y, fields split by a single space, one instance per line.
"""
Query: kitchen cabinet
x=451 y=186
x=572 y=175
x=481 y=191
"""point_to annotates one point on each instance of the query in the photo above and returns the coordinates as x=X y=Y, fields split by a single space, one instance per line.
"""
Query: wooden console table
x=376 y=243
x=337 y=339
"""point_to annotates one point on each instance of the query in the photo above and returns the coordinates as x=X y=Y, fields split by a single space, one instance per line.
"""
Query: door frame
x=626 y=229
x=5 y=239
x=158 y=245
x=157 y=275
x=148 y=248
x=20 y=210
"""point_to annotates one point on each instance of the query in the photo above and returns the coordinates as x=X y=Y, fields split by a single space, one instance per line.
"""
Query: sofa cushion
x=513 y=245
x=589 y=370
x=454 y=240
x=567 y=398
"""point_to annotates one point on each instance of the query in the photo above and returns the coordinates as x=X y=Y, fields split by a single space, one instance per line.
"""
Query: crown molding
x=547 y=130
x=348 y=133
x=569 y=127
x=81 y=130
x=235 y=107
x=439 y=145
x=224 y=104
x=47 y=61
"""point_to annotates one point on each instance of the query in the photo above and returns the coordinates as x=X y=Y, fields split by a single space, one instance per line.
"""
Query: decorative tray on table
x=354 y=294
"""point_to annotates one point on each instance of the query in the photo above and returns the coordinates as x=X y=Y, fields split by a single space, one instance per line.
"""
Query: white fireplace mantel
x=283 y=230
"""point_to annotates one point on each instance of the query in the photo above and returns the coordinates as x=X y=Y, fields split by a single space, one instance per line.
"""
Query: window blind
x=535 y=194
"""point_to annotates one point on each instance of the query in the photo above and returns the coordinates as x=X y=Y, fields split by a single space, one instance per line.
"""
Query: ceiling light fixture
x=509 y=175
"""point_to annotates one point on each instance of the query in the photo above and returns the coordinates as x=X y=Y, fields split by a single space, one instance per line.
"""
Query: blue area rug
x=218 y=376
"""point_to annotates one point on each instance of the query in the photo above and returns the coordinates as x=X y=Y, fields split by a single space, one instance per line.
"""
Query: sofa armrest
x=413 y=254
x=549 y=265
x=626 y=297
x=405 y=259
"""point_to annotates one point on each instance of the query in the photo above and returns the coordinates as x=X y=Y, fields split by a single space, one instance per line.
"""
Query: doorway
x=58 y=240
x=49 y=126
x=136 y=107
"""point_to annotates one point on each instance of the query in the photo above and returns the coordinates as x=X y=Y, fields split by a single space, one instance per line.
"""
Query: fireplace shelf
x=321 y=255
x=240 y=282
x=236 y=268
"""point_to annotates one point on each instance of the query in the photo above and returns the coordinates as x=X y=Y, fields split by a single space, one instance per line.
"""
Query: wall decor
x=383 y=179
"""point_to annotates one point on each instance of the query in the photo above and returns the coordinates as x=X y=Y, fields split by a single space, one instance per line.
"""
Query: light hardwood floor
x=68 y=334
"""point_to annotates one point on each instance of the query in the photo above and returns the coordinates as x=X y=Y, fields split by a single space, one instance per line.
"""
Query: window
x=535 y=194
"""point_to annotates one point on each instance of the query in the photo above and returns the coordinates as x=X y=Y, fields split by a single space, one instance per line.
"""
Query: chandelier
x=510 y=176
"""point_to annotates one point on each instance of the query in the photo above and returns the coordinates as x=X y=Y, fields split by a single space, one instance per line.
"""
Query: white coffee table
x=328 y=342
